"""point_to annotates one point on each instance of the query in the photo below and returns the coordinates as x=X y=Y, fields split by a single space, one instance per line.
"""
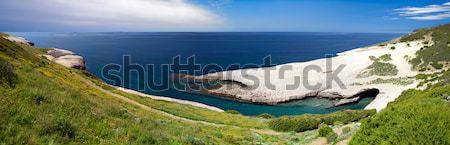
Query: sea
x=107 y=53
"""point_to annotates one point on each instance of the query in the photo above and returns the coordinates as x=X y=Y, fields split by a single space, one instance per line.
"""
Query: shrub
x=436 y=65
x=265 y=115
x=232 y=112
x=331 y=137
x=392 y=47
x=324 y=131
x=295 y=123
x=346 y=130
x=61 y=126
x=421 y=76
x=385 y=57
x=7 y=73
x=383 y=69
x=309 y=122
x=39 y=99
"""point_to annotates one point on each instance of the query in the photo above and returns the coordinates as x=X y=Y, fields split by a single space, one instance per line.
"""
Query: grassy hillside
x=437 y=49
x=45 y=103
x=416 y=117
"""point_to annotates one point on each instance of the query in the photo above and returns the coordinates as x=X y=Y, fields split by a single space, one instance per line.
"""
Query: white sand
x=355 y=61
x=179 y=101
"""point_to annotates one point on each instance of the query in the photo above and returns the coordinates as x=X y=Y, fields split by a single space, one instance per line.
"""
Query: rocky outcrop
x=66 y=58
x=265 y=99
x=20 y=40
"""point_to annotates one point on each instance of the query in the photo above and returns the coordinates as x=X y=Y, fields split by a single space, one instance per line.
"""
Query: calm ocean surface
x=223 y=49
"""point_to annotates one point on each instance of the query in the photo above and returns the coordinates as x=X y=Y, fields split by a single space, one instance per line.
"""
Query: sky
x=385 y=16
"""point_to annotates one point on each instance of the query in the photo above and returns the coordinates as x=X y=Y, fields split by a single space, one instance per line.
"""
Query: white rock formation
x=66 y=58
x=354 y=61
x=20 y=40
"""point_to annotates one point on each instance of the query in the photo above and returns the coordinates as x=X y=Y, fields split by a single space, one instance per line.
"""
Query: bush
x=39 y=99
x=232 y=112
x=346 y=130
x=61 y=126
x=421 y=76
x=7 y=73
x=436 y=65
x=266 y=116
x=309 y=122
x=295 y=123
x=385 y=57
x=392 y=47
x=331 y=137
x=324 y=131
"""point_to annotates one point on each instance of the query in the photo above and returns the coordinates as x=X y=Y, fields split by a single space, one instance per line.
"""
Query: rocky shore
x=66 y=58
x=361 y=68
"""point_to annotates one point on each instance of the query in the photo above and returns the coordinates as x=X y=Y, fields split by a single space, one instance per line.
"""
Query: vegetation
x=7 y=74
x=436 y=65
x=233 y=112
x=439 y=50
x=51 y=104
x=325 y=130
x=380 y=67
x=266 y=116
x=392 y=47
x=331 y=137
x=310 y=121
x=395 y=81
x=385 y=57
x=416 y=117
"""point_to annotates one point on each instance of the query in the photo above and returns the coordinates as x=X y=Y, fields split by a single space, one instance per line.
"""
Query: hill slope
x=417 y=117
x=44 y=103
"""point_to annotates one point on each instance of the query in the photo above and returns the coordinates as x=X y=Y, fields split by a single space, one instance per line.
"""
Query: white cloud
x=430 y=12
x=122 y=14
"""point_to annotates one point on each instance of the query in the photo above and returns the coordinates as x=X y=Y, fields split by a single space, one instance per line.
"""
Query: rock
x=20 y=40
x=448 y=98
x=72 y=61
x=330 y=95
x=59 y=52
x=66 y=58
x=347 y=101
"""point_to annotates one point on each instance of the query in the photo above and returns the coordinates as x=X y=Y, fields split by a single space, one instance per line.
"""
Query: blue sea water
x=223 y=49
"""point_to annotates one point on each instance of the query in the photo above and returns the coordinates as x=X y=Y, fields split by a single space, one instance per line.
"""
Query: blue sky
x=223 y=15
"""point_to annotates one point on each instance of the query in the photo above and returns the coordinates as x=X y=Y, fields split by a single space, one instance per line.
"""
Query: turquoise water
x=223 y=49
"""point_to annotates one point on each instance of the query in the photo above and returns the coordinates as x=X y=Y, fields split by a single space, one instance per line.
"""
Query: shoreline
x=169 y=99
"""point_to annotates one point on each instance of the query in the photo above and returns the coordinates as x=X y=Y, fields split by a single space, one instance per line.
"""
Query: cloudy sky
x=222 y=15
